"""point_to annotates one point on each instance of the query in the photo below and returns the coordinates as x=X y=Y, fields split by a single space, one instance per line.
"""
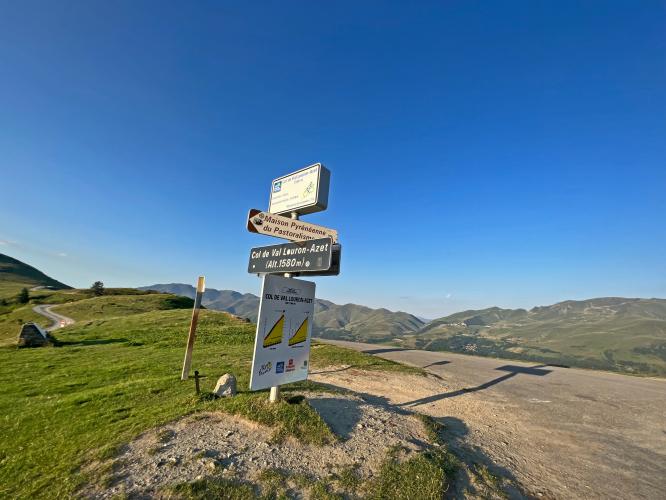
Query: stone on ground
x=32 y=336
x=226 y=386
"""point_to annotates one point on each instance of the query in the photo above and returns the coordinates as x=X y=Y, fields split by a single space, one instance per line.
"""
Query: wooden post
x=187 y=363
x=196 y=382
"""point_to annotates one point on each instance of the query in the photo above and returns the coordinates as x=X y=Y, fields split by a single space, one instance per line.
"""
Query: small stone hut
x=32 y=335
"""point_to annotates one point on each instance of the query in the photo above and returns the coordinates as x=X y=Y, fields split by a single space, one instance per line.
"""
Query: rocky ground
x=211 y=444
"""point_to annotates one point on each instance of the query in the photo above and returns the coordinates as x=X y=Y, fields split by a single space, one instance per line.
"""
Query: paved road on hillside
x=58 y=320
x=581 y=433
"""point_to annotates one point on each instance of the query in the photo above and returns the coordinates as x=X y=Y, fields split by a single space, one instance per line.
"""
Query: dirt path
x=59 y=321
x=563 y=433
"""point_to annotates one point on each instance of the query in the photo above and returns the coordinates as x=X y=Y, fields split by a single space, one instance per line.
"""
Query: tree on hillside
x=23 y=296
x=97 y=288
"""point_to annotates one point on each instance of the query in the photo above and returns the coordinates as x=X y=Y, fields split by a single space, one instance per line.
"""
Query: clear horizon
x=481 y=155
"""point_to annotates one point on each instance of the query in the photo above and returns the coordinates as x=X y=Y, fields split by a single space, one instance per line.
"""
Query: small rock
x=226 y=386
x=173 y=460
x=228 y=433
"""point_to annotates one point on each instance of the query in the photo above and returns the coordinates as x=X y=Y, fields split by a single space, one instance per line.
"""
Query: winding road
x=563 y=432
x=59 y=321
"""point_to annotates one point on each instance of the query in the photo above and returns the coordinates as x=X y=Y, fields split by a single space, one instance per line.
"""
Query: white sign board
x=304 y=191
x=284 y=329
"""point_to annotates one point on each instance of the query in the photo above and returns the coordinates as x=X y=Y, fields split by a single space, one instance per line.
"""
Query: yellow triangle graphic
x=301 y=334
x=275 y=335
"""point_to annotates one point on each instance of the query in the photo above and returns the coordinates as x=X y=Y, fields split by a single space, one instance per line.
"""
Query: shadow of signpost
x=437 y=363
x=341 y=414
x=478 y=474
x=512 y=372
x=383 y=350
x=479 y=471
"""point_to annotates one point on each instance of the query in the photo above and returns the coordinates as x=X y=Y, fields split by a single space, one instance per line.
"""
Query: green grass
x=109 y=306
x=298 y=420
x=424 y=476
x=12 y=320
x=14 y=315
x=116 y=376
x=212 y=489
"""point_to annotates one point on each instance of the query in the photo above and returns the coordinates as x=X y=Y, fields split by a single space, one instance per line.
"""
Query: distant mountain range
x=13 y=271
x=613 y=333
x=348 y=321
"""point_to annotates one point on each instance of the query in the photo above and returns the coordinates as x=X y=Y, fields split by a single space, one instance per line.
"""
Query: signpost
x=284 y=328
x=187 y=362
x=286 y=228
x=286 y=309
x=313 y=255
x=304 y=191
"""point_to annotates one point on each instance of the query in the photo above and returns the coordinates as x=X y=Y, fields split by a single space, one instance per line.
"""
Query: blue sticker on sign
x=279 y=367
x=277 y=186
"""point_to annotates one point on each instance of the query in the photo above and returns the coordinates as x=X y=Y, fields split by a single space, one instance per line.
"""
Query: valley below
x=626 y=335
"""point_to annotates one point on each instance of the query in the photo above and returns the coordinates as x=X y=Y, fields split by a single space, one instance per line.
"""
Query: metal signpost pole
x=187 y=363
x=275 y=390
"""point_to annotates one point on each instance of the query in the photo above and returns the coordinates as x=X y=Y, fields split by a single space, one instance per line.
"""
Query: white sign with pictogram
x=304 y=191
x=284 y=329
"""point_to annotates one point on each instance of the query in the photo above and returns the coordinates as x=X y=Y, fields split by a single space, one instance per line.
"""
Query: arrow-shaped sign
x=284 y=227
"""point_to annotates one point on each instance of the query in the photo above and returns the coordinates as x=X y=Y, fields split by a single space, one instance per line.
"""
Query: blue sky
x=482 y=153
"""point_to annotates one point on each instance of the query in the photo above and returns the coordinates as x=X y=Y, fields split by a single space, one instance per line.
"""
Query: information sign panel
x=304 y=191
x=284 y=330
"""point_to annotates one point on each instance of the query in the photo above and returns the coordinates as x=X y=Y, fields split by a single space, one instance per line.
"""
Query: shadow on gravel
x=480 y=473
x=341 y=415
x=513 y=371
x=381 y=351
x=437 y=363
x=478 y=476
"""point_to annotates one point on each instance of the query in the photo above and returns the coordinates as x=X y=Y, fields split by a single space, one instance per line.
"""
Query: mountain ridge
x=14 y=271
x=347 y=321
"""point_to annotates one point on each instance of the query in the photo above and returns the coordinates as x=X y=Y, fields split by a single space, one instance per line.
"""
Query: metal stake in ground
x=275 y=390
x=187 y=363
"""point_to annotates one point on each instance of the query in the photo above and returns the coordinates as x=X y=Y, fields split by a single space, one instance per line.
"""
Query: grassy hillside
x=13 y=315
x=114 y=374
x=15 y=274
x=354 y=322
x=619 y=334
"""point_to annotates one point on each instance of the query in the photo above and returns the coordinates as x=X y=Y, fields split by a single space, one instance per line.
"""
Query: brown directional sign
x=311 y=255
x=284 y=227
